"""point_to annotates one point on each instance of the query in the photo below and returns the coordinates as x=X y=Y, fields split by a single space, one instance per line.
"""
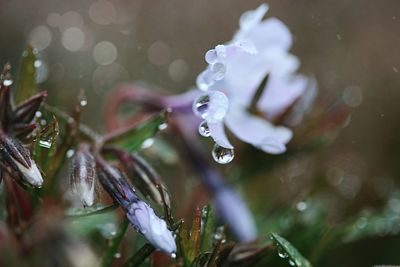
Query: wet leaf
x=27 y=81
x=287 y=250
x=131 y=139
x=207 y=228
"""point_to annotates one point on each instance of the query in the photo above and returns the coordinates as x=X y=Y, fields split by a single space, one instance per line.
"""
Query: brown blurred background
x=350 y=46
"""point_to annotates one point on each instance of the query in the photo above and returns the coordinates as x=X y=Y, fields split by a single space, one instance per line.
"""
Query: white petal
x=217 y=132
x=257 y=131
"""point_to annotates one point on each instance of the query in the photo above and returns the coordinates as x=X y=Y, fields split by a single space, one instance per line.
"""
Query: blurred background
x=351 y=47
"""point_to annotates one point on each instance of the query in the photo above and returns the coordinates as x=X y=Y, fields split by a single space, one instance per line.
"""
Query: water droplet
x=204 y=80
x=162 y=126
x=147 y=143
x=83 y=102
x=218 y=71
x=301 y=206
x=8 y=82
x=43 y=122
x=219 y=234
x=291 y=262
x=70 y=153
x=222 y=155
x=211 y=106
x=173 y=255
x=211 y=56
x=46 y=143
x=117 y=255
x=282 y=253
x=204 y=130
x=38 y=114
x=37 y=63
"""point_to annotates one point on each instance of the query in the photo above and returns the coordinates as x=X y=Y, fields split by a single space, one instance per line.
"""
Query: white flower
x=234 y=73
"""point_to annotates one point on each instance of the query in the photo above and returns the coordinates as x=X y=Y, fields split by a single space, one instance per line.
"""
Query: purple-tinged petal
x=256 y=131
x=281 y=92
x=181 y=102
x=236 y=214
x=251 y=18
x=266 y=34
x=211 y=106
x=217 y=132
x=143 y=218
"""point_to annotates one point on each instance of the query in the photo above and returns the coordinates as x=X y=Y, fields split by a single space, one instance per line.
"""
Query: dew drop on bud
x=83 y=102
x=162 y=126
x=282 y=253
x=222 y=155
x=8 y=82
x=173 y=255
x=204 y=130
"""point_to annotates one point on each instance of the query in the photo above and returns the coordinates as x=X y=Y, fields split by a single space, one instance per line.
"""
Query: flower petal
x=257 y=131
x=280 y=92
x=217 y=132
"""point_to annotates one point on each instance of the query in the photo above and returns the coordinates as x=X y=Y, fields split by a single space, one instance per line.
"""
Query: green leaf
x=208 y=225
x=287 y=250
x=84 y=212
x=84 y=225
x=132 y=138
x=27 y=81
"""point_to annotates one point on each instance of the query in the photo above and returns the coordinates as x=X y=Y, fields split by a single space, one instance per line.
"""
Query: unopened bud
x=18 y=157
x=155 y=230
x=140 y=214
x=83 y=171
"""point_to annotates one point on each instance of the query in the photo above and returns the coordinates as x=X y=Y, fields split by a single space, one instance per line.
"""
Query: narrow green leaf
x=27 y=81
x=131 y=139
x=287 y=250
x=98 y=209
x=208 y=224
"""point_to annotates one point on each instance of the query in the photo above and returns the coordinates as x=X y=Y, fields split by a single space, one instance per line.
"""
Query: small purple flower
x=234 y=73
x=235 y=212
x=143 y=218
x=140 y=214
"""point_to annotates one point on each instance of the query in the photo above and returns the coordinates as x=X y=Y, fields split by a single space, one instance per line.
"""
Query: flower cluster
x=17 y=122
x=250 y=81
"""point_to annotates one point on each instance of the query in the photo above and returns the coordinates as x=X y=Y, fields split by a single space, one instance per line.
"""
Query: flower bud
x=140 y=214
x=143 y=218
x=83 y=175
x=236 y=214
x=25 y=112
x=18 y=157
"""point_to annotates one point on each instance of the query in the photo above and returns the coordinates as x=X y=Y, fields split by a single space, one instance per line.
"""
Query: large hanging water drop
x=222 y=155
x=204 y=130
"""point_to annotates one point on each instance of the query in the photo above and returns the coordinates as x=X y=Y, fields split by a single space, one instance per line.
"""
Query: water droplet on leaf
x=222 y=155
x=46 y=143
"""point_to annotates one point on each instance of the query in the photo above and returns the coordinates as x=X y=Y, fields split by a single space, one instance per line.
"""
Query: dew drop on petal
x=211 y=56
x=212 y=106
x=204 y=80
x=218 y=71
x=204 y=130
x=222 y=155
